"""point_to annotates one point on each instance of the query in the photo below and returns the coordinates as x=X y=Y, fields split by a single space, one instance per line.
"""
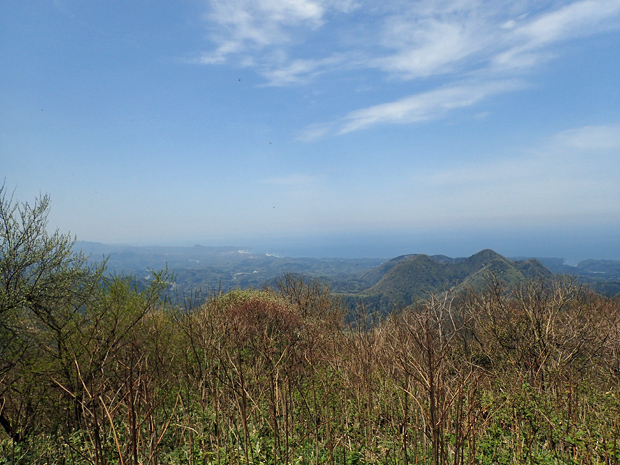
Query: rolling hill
x=403 y=280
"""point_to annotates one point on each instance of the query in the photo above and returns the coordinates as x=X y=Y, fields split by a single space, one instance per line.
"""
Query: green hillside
x=403 y=280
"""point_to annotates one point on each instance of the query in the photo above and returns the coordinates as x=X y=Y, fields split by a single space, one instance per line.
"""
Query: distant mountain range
x=377 y=283
x=601 y=275
x=210 y=269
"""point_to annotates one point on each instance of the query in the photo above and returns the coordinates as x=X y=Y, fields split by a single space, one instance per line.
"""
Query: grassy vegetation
x=275 y=376
x=98 y=370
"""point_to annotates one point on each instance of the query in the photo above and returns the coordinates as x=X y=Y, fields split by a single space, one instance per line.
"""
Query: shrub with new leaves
x=44 y=286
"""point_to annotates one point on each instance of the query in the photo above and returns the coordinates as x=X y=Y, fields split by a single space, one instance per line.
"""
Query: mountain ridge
x=383 y=283
x=401 y=281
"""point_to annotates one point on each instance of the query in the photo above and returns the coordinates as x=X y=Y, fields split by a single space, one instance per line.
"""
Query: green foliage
x=44 y=289
x=43 y=283
x=103 y=370
x=404 y=280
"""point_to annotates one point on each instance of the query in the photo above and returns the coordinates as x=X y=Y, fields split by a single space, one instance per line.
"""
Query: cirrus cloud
x=485 y=43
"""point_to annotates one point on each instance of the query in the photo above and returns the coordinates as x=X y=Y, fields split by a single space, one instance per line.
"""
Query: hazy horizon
x=319 y=126
x=571 y=246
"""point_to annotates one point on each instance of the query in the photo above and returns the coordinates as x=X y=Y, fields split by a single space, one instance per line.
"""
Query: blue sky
x=324 y=127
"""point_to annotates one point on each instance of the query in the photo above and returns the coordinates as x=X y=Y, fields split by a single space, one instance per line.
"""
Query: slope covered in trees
x=100 y=370
x=403 y=280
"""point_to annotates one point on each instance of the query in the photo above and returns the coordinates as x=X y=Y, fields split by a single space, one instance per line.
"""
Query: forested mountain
x=403 y=280
x=378 y=283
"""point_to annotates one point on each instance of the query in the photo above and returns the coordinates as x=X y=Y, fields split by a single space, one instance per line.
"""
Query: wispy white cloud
x=597 y=138
x=250 y=26
x=566 y=179
x=316 y=131
x=476 y=35
x=425 y=48
x=424 y=106
x=426 y=38
x=565 y=155
x=411 y=39
x=415 y=108
x=299 y=71
x=573 y=173
x=527 y=40
x=292 y=42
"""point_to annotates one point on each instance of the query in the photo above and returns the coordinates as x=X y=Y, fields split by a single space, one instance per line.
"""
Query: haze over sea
x=572 y=245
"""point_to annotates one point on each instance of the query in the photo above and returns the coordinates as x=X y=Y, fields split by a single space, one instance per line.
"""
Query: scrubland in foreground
x=99 y=369
x=276 y=376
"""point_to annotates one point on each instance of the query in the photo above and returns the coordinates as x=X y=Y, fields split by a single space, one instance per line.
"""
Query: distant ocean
x=572 y=244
